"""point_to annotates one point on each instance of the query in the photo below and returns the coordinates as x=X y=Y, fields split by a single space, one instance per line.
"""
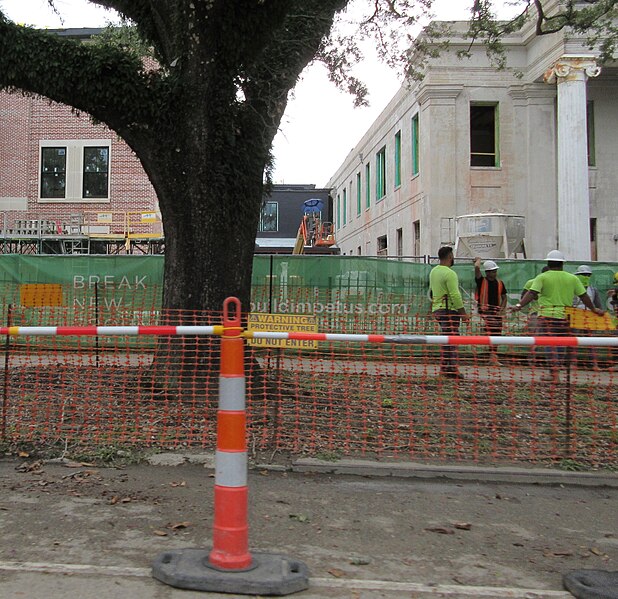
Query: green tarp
x=120 y=285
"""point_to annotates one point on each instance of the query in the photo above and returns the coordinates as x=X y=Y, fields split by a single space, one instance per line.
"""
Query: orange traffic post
x=230 y=530
x=229 y=567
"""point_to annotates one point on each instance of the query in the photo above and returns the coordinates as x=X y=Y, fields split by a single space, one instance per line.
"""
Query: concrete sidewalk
x=78 y=531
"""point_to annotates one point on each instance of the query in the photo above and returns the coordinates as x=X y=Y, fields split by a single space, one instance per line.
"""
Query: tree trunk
x=211 y=206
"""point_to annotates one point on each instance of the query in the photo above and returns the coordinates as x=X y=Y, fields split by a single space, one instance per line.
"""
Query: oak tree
x=201 y=116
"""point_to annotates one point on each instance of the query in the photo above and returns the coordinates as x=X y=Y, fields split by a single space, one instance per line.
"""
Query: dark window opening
x=483 y=146
x=53 y=172
x=96 y=172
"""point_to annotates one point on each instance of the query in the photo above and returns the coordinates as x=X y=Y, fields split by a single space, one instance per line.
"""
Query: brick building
x=57 y=165
x=61 y=177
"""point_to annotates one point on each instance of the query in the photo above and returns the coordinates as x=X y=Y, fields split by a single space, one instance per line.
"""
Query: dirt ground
x=342 y=527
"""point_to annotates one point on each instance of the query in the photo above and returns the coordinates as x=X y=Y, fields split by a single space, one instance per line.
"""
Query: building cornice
x=444 y=93
x=531 y=91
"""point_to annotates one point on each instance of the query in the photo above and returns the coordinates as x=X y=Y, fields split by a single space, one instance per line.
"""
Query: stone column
x=571 y=73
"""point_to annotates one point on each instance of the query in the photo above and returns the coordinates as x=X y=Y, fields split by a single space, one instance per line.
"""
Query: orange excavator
x=312 y=230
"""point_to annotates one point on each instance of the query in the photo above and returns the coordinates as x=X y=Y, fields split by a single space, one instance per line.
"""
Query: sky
x=321 y=124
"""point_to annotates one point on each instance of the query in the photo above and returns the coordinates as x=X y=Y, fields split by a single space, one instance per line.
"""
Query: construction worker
x=554 y=290
x=491 y=301
x=584 y=274
x=447 y=308
x=532 y=324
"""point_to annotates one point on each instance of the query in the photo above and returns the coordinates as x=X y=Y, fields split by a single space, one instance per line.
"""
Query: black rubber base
x=591 y=584
x=269 y=574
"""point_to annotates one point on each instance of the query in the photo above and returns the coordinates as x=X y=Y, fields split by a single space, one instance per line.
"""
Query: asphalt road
x=79 y=531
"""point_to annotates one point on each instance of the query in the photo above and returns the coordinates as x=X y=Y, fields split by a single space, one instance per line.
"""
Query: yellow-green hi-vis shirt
x=444 y=285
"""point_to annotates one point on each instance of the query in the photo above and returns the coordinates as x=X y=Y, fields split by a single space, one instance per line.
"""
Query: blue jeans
x=448 y=320
x=555 y=327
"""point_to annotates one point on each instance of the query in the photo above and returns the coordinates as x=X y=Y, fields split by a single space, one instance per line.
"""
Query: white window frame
x=75 y=169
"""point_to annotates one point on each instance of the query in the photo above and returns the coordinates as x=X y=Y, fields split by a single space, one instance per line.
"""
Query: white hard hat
x=490 y=265
x=555 y=256
x=583 y=270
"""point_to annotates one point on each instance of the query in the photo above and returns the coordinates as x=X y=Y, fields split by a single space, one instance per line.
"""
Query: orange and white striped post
x=230 y=529
x=229 y=567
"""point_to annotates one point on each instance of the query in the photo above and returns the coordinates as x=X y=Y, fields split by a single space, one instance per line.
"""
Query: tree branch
x=155 y=21
x=110 y=85
x=275 y=70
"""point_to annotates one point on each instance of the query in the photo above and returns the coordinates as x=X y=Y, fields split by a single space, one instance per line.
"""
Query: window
x=484 y=135
x=338 y=212
x=381 y=173
x=269 y=218
x=400 y=242
x=417 y=237
x=382 y=246
x=593 y=239
x=344 y=206
x=398 y=159
x=415 y=161
x=74 y=170
x=358 y=194
x=358 y=250
x=367 y=185
x=53 y=172
x=95 y=172
x=590 y=133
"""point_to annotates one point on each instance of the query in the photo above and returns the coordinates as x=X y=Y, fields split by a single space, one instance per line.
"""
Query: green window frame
x=484 y=134
x=359 y=194
x=415 y=146
x=338 y=212
x=397 y=159
x=367 y=186
x=344 y=206
x=381 y=173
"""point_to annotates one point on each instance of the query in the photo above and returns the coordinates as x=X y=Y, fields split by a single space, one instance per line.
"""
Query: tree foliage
x=202 y=111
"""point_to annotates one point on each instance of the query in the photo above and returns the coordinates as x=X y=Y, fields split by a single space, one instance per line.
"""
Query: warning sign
x=40 y=294
x=281 y=323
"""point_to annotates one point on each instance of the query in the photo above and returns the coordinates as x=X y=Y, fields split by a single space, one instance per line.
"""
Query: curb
x=442 y=472
x=502 y=474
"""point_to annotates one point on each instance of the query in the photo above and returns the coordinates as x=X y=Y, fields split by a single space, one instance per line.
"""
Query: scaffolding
x=90 y=232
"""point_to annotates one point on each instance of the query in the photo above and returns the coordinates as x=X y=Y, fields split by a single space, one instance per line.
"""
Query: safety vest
x=482 y=295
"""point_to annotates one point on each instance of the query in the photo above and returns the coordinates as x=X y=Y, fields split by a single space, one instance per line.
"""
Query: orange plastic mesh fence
x=334 y=399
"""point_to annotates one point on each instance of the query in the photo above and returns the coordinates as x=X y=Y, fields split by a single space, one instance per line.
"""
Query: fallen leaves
x=32 y=467
x=559 y=553
x=598 y=552
x=440 y=530
x=299 y=517
x=173 y=526
x=445 y=530
x=336 y=572
x=116 y=499
x=80 y=475
x=178 y=525
x=359 y=561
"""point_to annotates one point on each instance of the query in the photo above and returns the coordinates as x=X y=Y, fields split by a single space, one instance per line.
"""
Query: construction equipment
x=313 y=231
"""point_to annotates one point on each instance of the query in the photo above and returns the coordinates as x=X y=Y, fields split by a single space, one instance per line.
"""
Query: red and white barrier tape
x=165 y=330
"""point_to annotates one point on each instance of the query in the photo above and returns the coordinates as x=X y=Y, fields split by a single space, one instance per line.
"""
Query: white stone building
x=538 y=139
